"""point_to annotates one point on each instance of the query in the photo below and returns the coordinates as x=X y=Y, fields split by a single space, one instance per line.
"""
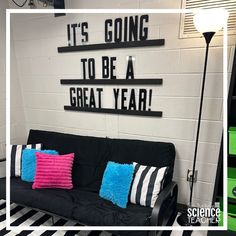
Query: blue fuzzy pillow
x=116 y=183
x=29 y=163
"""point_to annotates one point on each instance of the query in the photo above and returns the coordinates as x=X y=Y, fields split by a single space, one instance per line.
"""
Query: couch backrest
x=93 y=153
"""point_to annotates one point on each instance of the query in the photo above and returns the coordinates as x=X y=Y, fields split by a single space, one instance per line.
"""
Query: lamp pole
x=207 y=22
x=208 y=36
x=183 y=219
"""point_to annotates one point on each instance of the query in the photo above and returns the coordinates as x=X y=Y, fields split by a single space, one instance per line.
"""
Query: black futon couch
x=83 y=203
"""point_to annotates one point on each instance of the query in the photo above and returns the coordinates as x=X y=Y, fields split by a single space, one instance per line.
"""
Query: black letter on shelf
x=68 y=35
x=92 y=99
x=108 y=34
x=132 y=102
x=123 y=99
x=80 y=97
x=72 y=98
x=142 y=99
x=85 y=90
x=74 y=33
x=113 y=59
x=125 y=29
x=105 y=67
x=133 y=28
x=130 y=69
x=99 y=90
x=83 y=60
x=143 y=31
x=83 y=32
x=116 y=95
x=118 y=30
x=91 y=65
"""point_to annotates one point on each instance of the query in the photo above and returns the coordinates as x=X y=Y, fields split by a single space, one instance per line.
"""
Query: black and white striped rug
x=23 y=216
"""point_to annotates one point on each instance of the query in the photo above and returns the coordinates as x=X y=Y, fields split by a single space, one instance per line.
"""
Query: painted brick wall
x=18 y=131
x=2 y=82
x=179 y=63
x=2 y=87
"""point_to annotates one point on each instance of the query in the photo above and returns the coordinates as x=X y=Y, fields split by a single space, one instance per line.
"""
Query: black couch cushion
x=157 y=154
x=91 y=156
x=92 y=210
x=50 y=200
x=93 y=153
x=83 y=206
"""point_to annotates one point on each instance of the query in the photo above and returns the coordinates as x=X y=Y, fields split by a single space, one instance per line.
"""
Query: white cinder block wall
x=18 y=124
x=3 y=5
x=2 y=79
x=179 y=63
x=17 y=112
x=18 y=131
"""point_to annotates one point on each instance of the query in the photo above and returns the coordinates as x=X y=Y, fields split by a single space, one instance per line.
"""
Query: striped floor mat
x=23 y=216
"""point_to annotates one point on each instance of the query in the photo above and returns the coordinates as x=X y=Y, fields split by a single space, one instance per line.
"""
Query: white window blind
x=187 y=28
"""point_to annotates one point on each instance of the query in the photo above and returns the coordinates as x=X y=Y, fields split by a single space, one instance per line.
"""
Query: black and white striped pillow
x=16 y=154
x=147 y=184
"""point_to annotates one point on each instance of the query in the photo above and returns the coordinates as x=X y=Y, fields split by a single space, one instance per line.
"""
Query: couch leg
x=53 y=222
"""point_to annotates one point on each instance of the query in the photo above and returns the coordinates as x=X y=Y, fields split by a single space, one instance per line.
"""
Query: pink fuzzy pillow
x=53 y=171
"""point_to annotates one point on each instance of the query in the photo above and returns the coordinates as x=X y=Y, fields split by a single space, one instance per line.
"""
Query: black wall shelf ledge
x=104 y=46
x=114 y=111
x=112 y=82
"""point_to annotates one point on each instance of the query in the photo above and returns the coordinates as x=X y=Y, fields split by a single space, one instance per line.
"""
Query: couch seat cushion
x=83 y=206
x=50 y=200
x=90 y=209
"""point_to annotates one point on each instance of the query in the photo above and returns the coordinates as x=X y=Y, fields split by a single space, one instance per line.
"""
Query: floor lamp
x=207 y=22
